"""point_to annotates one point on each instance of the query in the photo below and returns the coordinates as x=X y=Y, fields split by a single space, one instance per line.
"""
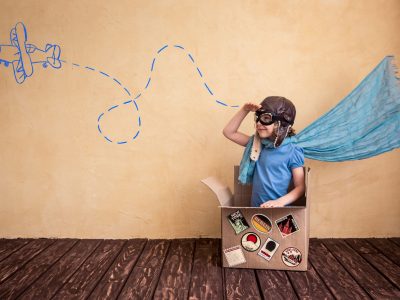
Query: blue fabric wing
x=364 y=124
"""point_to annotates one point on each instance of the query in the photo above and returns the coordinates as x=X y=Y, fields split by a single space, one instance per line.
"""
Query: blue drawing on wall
x=126 y=103
x=140 y=93
x=133 y=100
x=23 y=56
x=378 y=92
x=198 y=71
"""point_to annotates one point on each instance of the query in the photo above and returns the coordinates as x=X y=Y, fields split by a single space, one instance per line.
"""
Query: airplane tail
x=53 y=53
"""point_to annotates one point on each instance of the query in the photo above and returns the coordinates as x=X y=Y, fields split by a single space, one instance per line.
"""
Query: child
x=272 y=167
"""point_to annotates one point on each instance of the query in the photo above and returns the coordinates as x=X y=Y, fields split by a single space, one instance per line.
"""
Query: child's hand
x=272 y=203
x=249 y=106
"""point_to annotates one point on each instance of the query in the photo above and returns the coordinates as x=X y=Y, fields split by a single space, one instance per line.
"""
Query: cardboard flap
x=223 y=193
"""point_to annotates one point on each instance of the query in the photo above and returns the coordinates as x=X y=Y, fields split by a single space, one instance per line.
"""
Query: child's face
x=265 y=131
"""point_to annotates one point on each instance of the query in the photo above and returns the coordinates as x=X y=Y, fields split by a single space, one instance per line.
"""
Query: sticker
x=238 y=222
x=291 y=257
x=287 y=225
x=261 y=223
x=234 y=256
x=269 y=248
x=251 y=241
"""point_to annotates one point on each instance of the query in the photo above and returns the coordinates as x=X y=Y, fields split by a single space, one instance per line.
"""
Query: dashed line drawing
x=152 y=68
x=22 y=56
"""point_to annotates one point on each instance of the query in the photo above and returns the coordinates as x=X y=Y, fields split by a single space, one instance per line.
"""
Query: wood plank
x=142 y=281
x=389 y=249
x=207 y=273
x=361 y=246
x=8 y=246
x=20 y=280
x=175 y=276
x=308 y=285
x=366 y=276
x=387 y=268
x=275 y=285
x=336 y=278
x=50 y=282
x=390 y=270
x=241 y=284
x=19 y=258
x=82 y=283
x=395 y=240
x=111 y=284
x=348 y=268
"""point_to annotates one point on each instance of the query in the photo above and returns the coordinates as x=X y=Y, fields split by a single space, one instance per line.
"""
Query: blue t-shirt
x=273 y=172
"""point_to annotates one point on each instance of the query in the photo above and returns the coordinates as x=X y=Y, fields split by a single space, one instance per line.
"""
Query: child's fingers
x=252 y=106
x=256 y=106
x=267 y=204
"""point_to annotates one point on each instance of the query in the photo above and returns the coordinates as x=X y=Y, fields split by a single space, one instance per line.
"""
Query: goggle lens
x=264 y=119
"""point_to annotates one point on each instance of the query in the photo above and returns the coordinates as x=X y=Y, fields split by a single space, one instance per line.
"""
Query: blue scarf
x=364 y=124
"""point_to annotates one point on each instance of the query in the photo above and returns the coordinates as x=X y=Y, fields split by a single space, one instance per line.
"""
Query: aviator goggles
x=267 y=118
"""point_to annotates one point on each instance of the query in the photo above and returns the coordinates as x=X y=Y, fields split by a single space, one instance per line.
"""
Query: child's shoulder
x=297 y=156
x=294 y=147
x=297 y=148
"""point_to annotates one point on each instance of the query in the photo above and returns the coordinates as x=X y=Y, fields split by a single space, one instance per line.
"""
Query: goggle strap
x=287 y=132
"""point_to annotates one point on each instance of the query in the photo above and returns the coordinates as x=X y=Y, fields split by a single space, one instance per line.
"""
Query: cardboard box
x=262 y=238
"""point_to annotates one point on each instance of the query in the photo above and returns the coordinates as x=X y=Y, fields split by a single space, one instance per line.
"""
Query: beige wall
x=60 y=178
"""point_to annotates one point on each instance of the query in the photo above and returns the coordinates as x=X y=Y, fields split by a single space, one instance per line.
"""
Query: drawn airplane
x=23 y=56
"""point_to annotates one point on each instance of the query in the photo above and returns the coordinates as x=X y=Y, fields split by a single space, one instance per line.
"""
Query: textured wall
x=61 y=178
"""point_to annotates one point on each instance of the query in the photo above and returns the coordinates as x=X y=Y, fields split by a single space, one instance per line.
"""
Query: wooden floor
x=191 y=269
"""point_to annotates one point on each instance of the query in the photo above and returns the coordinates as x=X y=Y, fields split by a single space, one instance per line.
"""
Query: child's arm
x=231 y=129
x=293 y=195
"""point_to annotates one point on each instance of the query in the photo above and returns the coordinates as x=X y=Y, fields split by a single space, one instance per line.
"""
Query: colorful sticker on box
x=269 y=249
x=234 y=256
x=238 y=222
x=251 y=241
x=291 y=257
x=287 y=225
x=261 y=223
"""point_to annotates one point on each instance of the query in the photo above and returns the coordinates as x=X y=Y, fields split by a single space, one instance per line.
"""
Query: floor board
x=275 y=285
x=340 y=283
x=143 y=280
x=20 y=257
x=390 y=249
x=207 y=273
x=9 y=246
x=241 y=284
x=376 y=285
x=384 y=265
x=48 y=284
x=84 y=280
x=309 y=285
x=17 y=283
x=174 y=281
x=111 y=284
x=191 y=269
